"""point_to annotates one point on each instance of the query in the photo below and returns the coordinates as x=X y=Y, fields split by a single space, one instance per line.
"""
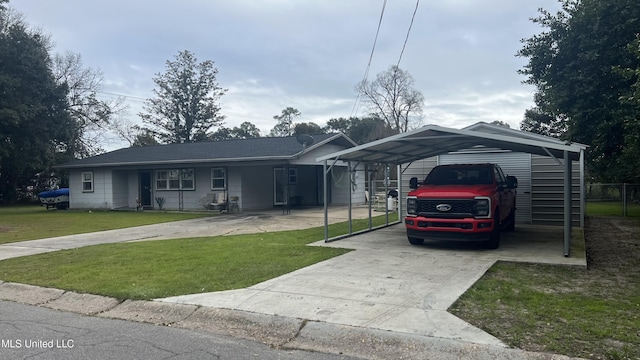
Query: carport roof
x=432 y=140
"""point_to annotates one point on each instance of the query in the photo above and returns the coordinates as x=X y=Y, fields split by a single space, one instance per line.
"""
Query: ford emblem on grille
x=443 y=207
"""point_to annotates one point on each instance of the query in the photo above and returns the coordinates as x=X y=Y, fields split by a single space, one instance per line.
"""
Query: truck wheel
x=511 y=221
x=494 y=237
x=415 y=241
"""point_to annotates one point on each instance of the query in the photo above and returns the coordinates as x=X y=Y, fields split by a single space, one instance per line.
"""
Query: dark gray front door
x=146 y=196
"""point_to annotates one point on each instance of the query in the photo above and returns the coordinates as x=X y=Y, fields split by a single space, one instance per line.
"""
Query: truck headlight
x=412 y=204
x=483 y=207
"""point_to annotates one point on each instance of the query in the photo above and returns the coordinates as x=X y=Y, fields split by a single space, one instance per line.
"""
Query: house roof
x=432 y=140
x=255 y=149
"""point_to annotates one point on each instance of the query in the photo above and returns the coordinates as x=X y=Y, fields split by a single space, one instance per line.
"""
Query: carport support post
x=567 y=203
x=399 y=209
x=371 y=194
x=386 y=193
x=326 y=208
x=350 y=171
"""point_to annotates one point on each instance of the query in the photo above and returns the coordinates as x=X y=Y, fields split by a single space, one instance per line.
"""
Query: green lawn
x=151 y=269
x=611 y=208
x=18 y=223
x=590 y=313
x=556 y=309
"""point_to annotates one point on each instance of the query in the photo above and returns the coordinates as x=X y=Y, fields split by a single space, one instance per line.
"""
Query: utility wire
x=373 y=49
x=121 y=95
x=408 y=31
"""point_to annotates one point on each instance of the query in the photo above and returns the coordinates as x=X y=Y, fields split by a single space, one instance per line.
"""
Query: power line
x=366 y=74
x=408 y=31
x=121 y=95
x=373 y=48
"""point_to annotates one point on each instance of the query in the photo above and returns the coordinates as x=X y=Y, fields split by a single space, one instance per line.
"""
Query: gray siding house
x=257 y=173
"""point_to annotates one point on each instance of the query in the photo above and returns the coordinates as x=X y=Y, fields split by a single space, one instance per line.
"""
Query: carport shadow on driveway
x=388 y=284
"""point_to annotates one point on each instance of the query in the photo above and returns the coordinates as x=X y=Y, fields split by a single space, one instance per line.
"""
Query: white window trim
x=83 y=181
x=224 y=178
x=181 y=177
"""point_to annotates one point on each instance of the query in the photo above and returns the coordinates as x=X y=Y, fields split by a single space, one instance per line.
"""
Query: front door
x=280 y=186
x=146 y=196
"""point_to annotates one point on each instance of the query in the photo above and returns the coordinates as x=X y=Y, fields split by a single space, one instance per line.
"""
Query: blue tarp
x=54 y=193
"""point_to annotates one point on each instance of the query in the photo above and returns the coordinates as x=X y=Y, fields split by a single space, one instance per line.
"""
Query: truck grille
x=459 y=208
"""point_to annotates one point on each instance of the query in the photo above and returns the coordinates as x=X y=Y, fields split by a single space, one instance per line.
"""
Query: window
x=87 y=181
x=175 y=179
x=500 y=179
x=188 y=179
x=218 y=178
x=293 y=176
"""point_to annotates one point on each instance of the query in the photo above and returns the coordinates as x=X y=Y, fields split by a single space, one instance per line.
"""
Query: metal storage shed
x=432 y=140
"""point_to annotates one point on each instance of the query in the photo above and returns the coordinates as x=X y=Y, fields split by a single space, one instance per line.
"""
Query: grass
x=592 y=313
x=359 y=224
x=152 y=269
x=611 y=208
x=18 y=223
x=555 y=309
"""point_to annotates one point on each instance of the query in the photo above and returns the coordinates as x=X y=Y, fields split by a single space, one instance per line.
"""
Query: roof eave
x=173 y=162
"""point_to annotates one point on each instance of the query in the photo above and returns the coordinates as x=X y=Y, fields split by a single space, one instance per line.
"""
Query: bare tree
x=91 y=115
x=393 y=98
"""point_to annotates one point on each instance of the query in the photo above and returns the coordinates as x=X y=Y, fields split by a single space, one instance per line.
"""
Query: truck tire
x=511 y=221
x=415 y=240
x=494 y=236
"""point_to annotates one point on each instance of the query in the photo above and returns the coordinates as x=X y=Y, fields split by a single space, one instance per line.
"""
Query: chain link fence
x=613 y=199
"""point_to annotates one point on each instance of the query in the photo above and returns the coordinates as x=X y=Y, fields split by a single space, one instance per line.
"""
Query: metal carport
x=432 y=140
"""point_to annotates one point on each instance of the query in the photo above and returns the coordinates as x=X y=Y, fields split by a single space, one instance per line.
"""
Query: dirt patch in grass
x=613 y=245
x=593 y=313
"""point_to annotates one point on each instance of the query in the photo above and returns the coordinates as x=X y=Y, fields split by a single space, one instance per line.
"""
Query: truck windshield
x=459 y=176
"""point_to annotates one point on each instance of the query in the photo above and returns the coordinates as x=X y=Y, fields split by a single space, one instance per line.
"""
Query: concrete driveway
x=385 y=283
x=388 y=284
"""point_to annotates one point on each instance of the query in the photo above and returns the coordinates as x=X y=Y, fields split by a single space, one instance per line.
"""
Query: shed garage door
x=512 y=163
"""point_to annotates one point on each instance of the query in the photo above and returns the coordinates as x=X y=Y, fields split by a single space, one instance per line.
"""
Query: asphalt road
x=32 y=332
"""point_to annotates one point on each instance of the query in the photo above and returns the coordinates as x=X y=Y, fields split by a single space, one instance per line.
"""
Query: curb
x=275 y=331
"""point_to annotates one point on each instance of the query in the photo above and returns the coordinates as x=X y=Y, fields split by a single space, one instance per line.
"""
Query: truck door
x=506 y=195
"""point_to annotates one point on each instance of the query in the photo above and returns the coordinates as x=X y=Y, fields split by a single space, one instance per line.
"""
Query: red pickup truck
x=462 y=202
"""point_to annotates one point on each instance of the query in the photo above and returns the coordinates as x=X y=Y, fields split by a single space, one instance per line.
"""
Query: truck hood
x=453 y=191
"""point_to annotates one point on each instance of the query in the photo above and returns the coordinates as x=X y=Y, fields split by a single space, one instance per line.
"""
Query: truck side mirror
x=413 y=183
x=512 y=182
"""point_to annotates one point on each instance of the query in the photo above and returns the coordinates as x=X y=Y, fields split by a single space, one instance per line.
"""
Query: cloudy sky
x=307 y=54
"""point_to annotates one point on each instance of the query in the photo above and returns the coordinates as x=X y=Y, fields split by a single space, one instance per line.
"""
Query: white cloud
x=306 y=54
